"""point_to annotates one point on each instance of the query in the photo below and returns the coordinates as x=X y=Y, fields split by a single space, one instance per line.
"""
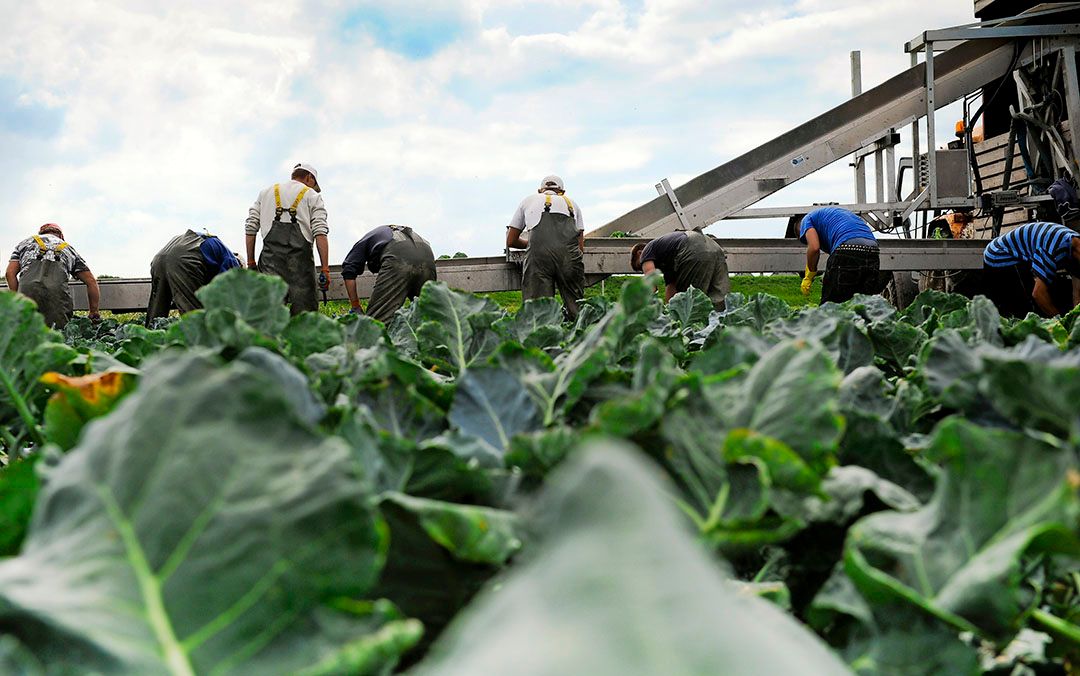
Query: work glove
x=808 y=279
x=324 y=281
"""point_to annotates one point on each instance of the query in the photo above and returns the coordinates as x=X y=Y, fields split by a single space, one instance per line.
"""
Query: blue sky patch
x=23 y=119
x=405 y=32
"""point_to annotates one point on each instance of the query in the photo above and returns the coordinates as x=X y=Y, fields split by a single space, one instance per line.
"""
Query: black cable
x=1018 y=49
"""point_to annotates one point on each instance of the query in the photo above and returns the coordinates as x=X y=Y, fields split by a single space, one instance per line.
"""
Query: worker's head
x=635 y=256
x=51 y=229
x=306 y=174
x=552 y=183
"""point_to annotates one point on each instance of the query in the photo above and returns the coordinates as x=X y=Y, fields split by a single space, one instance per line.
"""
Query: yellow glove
x=808 y=279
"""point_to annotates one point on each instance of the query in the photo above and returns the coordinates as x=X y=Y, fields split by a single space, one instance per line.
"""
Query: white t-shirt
x=310 y=213
x=528 y=212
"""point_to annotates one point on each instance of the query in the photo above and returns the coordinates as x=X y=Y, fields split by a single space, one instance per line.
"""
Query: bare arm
x=12 y=275
x=350 y=288
x=323 y=248
x=93 y=293
x=813 y=250
x=514 y=240
x=250 y=242
x=1042 y=298
x=669 y=291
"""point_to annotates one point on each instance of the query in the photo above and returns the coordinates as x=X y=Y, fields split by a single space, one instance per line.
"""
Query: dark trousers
x=851 y=270
x=1010 y=289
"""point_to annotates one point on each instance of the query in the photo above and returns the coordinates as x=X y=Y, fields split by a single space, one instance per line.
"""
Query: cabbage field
x=650 y=490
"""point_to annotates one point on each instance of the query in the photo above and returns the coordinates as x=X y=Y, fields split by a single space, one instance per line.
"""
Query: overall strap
x=569 y=204
x=277 y=202
x=296 y=203
x=45 y=247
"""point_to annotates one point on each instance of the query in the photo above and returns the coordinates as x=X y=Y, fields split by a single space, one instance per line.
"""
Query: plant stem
x=22 y=408
x=1057 y=625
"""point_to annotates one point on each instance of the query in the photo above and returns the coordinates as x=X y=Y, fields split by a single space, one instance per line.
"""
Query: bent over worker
x=186 y=264
x=854 y=264
x=1020 y=269
x=40 y=268
x=402 y=261
x=549 y=226
x=687 y=259
x=286 y=250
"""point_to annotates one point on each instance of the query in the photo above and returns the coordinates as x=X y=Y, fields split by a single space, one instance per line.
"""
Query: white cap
x=311 y=170
x=552 y=182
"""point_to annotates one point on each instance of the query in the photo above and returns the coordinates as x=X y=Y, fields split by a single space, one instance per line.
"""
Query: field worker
x=286 y=250
x=687 y=259
x=402 y=261
x=187 y=262
x=40 y=268
x=1021 y=266
x=549 y=226
x=854 y=264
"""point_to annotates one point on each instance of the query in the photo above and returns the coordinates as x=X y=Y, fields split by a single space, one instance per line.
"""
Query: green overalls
x=288 y=255
x=45 y=282
x=553 y=259
x=176 y=273
x=407 y=264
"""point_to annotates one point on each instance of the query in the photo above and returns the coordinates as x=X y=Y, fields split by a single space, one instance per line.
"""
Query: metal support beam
x=856 y=90
x=1072 y=98
x=925 y=41
x=664 y=188
x=931 y=123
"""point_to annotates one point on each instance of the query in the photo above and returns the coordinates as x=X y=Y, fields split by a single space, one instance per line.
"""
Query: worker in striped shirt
x=1020 y=269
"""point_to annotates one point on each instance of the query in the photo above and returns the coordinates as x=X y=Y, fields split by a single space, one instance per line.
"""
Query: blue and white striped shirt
x=1046 y=246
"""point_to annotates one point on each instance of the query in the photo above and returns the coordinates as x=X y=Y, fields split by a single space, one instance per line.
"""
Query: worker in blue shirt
x=186 y=263
x=1020 y=270
x=854 y=265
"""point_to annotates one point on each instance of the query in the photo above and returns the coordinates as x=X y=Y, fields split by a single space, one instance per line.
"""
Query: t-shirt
x=1045 y=246
x=528 y=212
x=662 y=251
x=834 y=226
x=28 y=251
x=310 y=213
x=217 y=256
x=367 y=251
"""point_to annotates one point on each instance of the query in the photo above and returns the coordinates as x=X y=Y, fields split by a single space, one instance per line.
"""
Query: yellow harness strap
x=45 y=247
x=569 y=204
x=277 y=196
x=296 y=202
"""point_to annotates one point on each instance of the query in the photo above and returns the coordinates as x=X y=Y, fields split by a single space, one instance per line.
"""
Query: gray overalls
x=553 y=259
x=407 y=264
x=45 y=281
x=288 y=255
x=176 y=273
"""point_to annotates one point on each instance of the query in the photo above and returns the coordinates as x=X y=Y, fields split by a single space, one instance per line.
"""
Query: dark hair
x=300 y=174
x=635 y=256
x=794 y=224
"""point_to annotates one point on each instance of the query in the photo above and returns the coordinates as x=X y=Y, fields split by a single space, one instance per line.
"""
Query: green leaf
x=617 y=586
x=257 y=299
x=311 y=332
x=28 y=349
x=456 y=329
x=78 y=400
x=19 y=486
x=537 y=324
x=690 y=308
x=181 y=535
x=1000 y=494
x=755 y=312
x=491 y=404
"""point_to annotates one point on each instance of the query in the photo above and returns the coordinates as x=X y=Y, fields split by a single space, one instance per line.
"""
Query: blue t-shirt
x=217 y=256
x=1045 y=246
x=834 y=226
x=368 y=251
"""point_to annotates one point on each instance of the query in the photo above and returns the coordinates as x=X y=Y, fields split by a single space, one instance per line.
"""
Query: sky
x=128 y=122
